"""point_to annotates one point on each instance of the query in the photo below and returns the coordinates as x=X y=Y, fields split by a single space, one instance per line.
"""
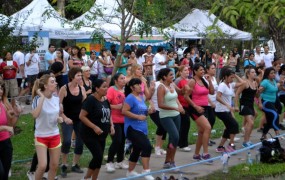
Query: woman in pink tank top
x=7 y=121
x=199 y=88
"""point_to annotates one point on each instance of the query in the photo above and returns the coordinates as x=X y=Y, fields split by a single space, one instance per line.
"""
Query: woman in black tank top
x=71 y=96
x=86 y=82
x=247 y=91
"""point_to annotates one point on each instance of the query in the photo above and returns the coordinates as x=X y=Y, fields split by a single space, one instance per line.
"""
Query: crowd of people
x=80 y=94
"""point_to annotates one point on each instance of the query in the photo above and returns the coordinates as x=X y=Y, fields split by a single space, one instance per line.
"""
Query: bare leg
x=42 y=162
x=89 y=173
x=132 y=166
x=53 y=164
x=204 y=124
x=222 y=143
x=64 y=158
x=95 y=174
x=145 y=162
x=248 y=127
x=76 y=158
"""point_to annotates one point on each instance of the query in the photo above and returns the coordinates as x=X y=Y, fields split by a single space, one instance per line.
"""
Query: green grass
x=24 y=149
x=255 y=171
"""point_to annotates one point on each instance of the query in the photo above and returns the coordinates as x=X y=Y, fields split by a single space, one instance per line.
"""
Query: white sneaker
x=31 y=175
x=147 y=177
x=110 y=167
x=132 y=173
x=45 y=175
x=186 y=149
x=121 y=165
x=162 y=151
x=236 y=139
x=157 y=151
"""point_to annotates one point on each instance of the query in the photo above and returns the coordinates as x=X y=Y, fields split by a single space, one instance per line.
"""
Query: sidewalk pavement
x=182 y=158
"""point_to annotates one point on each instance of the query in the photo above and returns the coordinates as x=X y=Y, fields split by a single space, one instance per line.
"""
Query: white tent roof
x=32 y=18
x=194 y=25
x=109 y=21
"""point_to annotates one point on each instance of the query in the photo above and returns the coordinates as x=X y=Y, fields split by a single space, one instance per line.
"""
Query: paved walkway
x=182 y=158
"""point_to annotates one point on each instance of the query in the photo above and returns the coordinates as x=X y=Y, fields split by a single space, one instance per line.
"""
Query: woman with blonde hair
x=137 y=72
x=86 y=82
x=7 y=121
x=46 y=111
x=181 y=81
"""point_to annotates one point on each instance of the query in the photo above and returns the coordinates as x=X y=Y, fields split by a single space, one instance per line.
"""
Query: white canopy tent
x=109 y=20
x=34 y=18
x=195 y=25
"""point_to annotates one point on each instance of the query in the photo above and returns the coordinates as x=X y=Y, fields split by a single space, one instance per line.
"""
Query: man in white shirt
x=268 y=57
x=32 y=69
x=258 y=57
x=19 y=58
x=49 y=56
x=160 y=60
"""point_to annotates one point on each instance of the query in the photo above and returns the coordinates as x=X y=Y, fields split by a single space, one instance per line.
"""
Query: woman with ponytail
x=181 y=81
x=46 y=110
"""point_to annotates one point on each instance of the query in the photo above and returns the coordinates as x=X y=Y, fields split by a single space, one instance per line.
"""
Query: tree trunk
x=278 y=37
x=60 y=7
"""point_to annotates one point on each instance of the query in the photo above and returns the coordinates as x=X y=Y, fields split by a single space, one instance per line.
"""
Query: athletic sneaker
x=147 y=177
x=220 y=149
x=186 y=149
x=247 y=144
x=167 y=165
x=173 y=166
x=76 y=168
x=31 y=175
x=63 y=171
x=230 y=148
x=197 y=157
x=207 y=157
x=110 y=167
x=236 y=139
x=121 y=165
x=211 y=143
x=157 y=151
x=162 y=151
x=132 y=173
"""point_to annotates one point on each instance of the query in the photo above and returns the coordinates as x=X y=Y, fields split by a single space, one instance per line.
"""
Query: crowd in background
x=88 y=101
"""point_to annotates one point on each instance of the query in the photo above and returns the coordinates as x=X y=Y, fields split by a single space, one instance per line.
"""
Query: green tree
x=257 y=16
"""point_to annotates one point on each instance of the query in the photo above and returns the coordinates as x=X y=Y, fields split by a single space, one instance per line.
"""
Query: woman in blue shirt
x=267 y=101
x=135 y=112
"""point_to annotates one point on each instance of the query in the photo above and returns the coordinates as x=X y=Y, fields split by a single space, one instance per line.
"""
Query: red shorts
x=51 y=142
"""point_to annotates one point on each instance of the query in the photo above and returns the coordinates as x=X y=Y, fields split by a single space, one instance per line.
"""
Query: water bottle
x=248 y=158
x=181 y=177
x=226 y=167
x=225 y=161
x=163 y=176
